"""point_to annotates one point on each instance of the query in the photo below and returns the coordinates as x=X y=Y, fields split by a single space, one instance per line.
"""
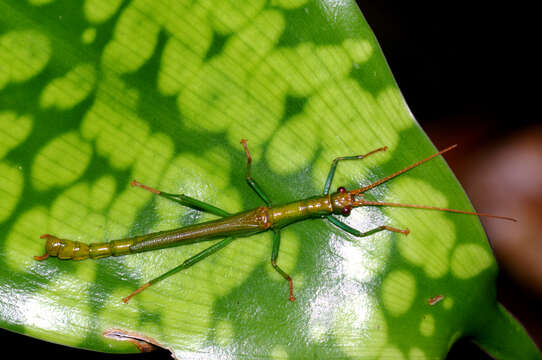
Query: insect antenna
x=397 y=173
x=377 y=203
x=363 y=202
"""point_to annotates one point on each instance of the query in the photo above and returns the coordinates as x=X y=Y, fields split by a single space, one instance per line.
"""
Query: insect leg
x=274 y=256
x=358 y=233
x=253 y=184
x=335 y=162
x=185 y=265
x=184 y=200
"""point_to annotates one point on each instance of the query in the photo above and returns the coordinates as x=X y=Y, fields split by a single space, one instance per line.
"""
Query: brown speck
x=435 y=299
x=142 y=342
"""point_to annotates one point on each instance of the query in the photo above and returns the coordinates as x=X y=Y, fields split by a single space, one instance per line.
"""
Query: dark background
x=464 y=71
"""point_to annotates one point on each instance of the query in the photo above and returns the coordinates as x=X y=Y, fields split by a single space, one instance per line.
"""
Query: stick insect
x=230 y=226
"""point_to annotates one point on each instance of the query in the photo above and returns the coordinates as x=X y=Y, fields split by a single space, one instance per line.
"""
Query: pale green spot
x=10 y=189
x=153 y=159
x=23 y=239
x=124 y=210
x=288 y=4
x=4 y=76
x=230 y=200
x=212 y=99
x=69 y=90
x=13 y=130
x=251 y=45
x=23 y=55
x=60 y=162
x=447 y=303
x=288 y=152
x=40 y=2
x=134 y=39
x=216 y=98
x=470 y=260
x=427 y=325
x=119 y=133
x=350 y=106
x=432 y=235
x=279 y=352
x=416 y=354
x=346 y=102
x=88 y=36
x=187 y=22
x=438 y=264
x=102 y=192
x=224 y=332
x=92 y=230
x=179 y=64
x=230 y=15
x=307 y=67
x=98 y=11
x=72 y=216
x=393 y=105
x=183 y=53
x=359 y=50
x=267 y=85
x=359 y=327
x=255 y=121
x=398 y=292
x=391 y=352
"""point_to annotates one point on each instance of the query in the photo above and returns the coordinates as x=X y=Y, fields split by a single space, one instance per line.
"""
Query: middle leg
x=358 y=233
x=274 y=256
x=253 y=184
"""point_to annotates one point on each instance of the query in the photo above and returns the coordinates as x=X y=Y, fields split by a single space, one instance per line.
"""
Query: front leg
x=358 y=233
x=335 y=162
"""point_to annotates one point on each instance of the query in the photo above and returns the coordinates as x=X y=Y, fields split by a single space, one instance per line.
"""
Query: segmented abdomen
x=76 y=250
x=243 y=224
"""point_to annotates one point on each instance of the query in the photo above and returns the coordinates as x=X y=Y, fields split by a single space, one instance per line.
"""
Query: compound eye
x=346 y=210
x=341 y=189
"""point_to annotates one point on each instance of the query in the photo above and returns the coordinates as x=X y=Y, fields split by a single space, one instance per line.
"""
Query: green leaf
x=94 y=94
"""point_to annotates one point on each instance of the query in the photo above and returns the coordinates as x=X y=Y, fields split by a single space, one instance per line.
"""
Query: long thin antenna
x=418 y=163
x=377 y=203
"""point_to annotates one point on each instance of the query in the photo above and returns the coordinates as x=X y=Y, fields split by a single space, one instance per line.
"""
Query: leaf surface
x=94 y=94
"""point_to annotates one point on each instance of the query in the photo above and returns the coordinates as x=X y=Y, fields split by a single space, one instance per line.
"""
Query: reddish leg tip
x=406 y=231
x=45 y=236
x=40 y=258
x=292 y=298
x=148 y=188
x=126 y=299
x=243 y=141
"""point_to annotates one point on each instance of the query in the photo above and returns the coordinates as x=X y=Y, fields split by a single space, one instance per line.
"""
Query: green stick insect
x=230 y=226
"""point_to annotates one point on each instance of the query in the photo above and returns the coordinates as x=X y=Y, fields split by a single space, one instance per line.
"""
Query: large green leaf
x=94 y=94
